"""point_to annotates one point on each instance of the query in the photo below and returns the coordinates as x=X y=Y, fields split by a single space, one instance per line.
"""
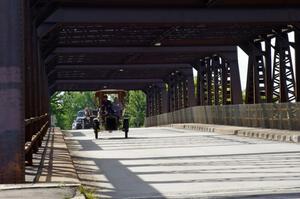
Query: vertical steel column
x=268 y=70
x=176 y=93
x=235 y=81
x=28 y=67
x=164 y=98
x=156 y=99
x=209 y=81
x=297 y=62
x=190 y=87
x=153 y=100
x=225 y=83
x=180 y=90
x=283 y=75
x=215 y=71
x=159 y=101
x=256 y=82
x=171 y=94
x=147 y=104
x=36 y=85
x=29 y=76
x=201 y=69
x=39 y=80
x=151 y=103
x=12 y=132
x=197 y=66
x=249 y=85
x=185 y=93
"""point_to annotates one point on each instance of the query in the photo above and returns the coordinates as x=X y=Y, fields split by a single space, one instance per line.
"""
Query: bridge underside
x=153 y=46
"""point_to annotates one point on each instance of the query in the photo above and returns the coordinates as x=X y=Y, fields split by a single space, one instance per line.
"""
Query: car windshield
x=80 y=114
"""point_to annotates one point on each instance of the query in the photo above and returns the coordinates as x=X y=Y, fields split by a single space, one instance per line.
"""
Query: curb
x=258 y=133
x=5 y=187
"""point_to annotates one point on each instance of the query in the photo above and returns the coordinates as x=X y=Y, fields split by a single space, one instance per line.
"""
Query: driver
x=106 y=106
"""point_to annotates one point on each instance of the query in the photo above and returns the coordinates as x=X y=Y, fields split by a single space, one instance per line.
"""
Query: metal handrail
x=34 y=119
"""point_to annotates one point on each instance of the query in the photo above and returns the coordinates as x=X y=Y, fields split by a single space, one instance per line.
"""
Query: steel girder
x=181 y=91
x=283 y=72
x=256 y=90
x=12 y=132
x=215 y=82
x=106 y=15
x=155 y=99
x=297 y=61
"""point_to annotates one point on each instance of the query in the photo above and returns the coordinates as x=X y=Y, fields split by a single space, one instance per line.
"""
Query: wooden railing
x=36 y=129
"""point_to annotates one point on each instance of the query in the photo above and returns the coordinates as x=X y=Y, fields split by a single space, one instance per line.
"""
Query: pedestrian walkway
x=182 y=163
x=52 y=174
x=53 y=162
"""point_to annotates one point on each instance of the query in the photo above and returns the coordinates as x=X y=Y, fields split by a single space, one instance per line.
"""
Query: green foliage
x=136 y=108
x=65 y=105
x=88 y=193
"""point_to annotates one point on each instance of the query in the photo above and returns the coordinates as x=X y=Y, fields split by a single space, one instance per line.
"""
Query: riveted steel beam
x=12 y=132
x=176 y=16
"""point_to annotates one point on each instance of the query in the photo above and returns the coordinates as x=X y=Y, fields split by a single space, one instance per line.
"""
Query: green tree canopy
x=65 y=105
x=136 y=108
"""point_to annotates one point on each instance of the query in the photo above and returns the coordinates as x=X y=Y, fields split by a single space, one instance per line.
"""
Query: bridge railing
x=269 y=115
x=36 y=128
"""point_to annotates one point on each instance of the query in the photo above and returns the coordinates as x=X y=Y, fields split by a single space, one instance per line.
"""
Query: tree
x=136 y=108
x=65 y=105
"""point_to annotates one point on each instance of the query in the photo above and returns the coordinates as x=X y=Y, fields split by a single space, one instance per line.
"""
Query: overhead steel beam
x=123 y=66
x=71 y=86
x=95 y=50
x=238 y=15
x=110 y=81
x=44 y=29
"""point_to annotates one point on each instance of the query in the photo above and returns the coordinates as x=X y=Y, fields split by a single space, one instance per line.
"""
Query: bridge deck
x=166 y=162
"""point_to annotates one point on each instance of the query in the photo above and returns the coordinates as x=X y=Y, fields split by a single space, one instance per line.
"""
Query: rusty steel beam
x=268 y=72
x=109 y=81
x=297 y=62
x=236 y=90
x=28 y=60
x=164 y=98
x=189 y=93
x=256 y=91
x=161 y=49
x=12 y=132
x=201 y=78
x=283 y=74
x=95 y=87
x=175 y=16
x=122 y=66
x=79 y=85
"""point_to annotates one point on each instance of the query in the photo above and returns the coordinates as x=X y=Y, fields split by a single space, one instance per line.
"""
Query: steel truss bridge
x=153 y=46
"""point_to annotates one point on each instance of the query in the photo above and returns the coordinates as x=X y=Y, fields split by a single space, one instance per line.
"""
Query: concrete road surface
x=173 y=163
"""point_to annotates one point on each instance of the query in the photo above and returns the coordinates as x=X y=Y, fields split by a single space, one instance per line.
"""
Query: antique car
x=111 y=114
